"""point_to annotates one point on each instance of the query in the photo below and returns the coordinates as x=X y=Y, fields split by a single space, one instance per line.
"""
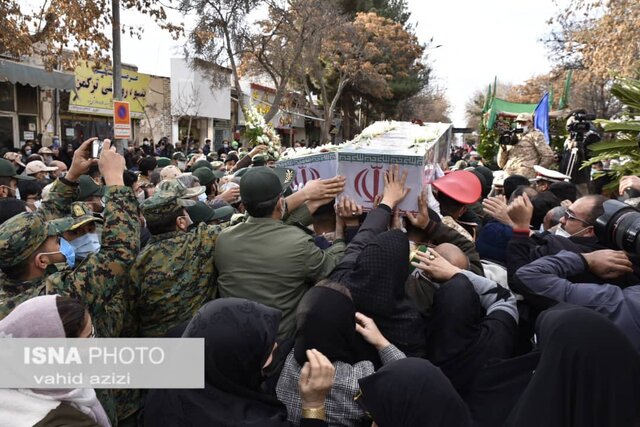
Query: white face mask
x=202 y=197
x=140 y=196
x=182 y=165
x=564 y=233
x=524 y=128
x=86 y=244
x=17 y=194
x=37 y=204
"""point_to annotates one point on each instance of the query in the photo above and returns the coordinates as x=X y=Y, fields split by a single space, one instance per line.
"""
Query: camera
x=581 y=126
x=509 y=137
x=619 y=226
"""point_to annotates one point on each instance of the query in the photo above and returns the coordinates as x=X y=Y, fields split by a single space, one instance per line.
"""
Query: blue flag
x=541 y=117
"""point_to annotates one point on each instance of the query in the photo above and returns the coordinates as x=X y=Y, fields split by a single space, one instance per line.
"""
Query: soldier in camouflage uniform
x=32 y=264
x=174 y=275
x=532 y=149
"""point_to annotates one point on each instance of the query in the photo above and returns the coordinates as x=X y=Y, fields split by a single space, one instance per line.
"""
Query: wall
x=156 y=120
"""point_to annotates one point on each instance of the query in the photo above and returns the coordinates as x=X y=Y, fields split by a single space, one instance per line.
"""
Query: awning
x=34 y=76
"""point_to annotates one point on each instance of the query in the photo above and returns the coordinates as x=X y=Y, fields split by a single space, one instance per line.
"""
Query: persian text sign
x=102 y=363
x=121 y=120
x=313 y=166
x=94 y=90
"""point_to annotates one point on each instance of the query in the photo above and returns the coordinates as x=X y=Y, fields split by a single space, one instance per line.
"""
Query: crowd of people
x=494 y=303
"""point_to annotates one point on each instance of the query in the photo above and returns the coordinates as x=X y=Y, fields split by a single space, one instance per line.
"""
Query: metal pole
x=117 y=62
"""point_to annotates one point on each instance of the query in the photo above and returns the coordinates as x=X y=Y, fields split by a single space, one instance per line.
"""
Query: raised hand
x=366 y=327
x=111 y=164
x=82 y=160
x=435 y=266
x=496 y=207
x=394 y=186
x=520 y=212
x=421 y=219
x=608 y=264
x=316 y=379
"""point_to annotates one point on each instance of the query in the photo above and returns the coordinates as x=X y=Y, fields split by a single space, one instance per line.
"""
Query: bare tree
x=187 y=104
x=219 y=37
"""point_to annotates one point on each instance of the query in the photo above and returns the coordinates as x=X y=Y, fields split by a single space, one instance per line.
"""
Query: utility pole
x=117 y=62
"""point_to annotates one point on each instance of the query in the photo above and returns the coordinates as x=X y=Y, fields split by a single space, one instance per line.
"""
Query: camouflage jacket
x=98 y=281
x=519 y=159
x=171 y=279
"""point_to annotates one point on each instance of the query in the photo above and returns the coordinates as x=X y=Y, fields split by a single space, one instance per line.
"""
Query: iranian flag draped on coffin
x=417 y=148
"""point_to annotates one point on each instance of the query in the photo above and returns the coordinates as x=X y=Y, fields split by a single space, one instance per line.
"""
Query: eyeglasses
x=570 y=215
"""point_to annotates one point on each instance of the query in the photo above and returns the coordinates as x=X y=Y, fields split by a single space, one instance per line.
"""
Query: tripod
x=572 y=161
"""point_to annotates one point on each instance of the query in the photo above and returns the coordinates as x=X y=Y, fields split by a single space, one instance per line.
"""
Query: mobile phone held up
x=96 y=148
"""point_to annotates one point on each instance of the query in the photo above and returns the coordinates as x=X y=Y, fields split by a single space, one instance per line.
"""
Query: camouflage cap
x=170 y=172
x=217 y=165
x=171 y=196
x=82 y=214
x=88 y=187
x=14 y=157
x=21 y=235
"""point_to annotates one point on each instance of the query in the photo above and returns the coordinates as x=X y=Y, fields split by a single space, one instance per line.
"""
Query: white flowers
x=258 y=131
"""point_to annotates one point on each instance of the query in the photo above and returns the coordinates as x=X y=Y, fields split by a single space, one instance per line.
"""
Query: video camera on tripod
x=582 y=133
x=580 y=125
x=510 y=137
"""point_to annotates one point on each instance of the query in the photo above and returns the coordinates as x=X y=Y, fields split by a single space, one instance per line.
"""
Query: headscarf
x=381 y=269
x=39 y=318
x=239 y=337
x=377 y=284
x=588 y=374
x=412 y=392
x=325 y=321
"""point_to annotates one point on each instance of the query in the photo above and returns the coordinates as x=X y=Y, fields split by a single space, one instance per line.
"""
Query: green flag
x=495 y=87
x=487 y=100
x=564 y=99
x=551 y=98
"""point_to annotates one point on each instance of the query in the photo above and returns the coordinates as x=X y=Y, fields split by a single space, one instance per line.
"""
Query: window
x=6 y=97
x=27 y=99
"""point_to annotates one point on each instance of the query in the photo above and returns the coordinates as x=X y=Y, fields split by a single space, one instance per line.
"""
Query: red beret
x=461 y=186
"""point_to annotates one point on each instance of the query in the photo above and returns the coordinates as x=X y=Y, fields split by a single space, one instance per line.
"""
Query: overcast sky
x=480 y=40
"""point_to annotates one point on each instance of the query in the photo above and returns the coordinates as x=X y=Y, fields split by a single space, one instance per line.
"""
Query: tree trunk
x=234 y=70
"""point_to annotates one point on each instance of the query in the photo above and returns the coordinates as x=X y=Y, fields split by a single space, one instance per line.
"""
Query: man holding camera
x=529 y=150
x=582 y=133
